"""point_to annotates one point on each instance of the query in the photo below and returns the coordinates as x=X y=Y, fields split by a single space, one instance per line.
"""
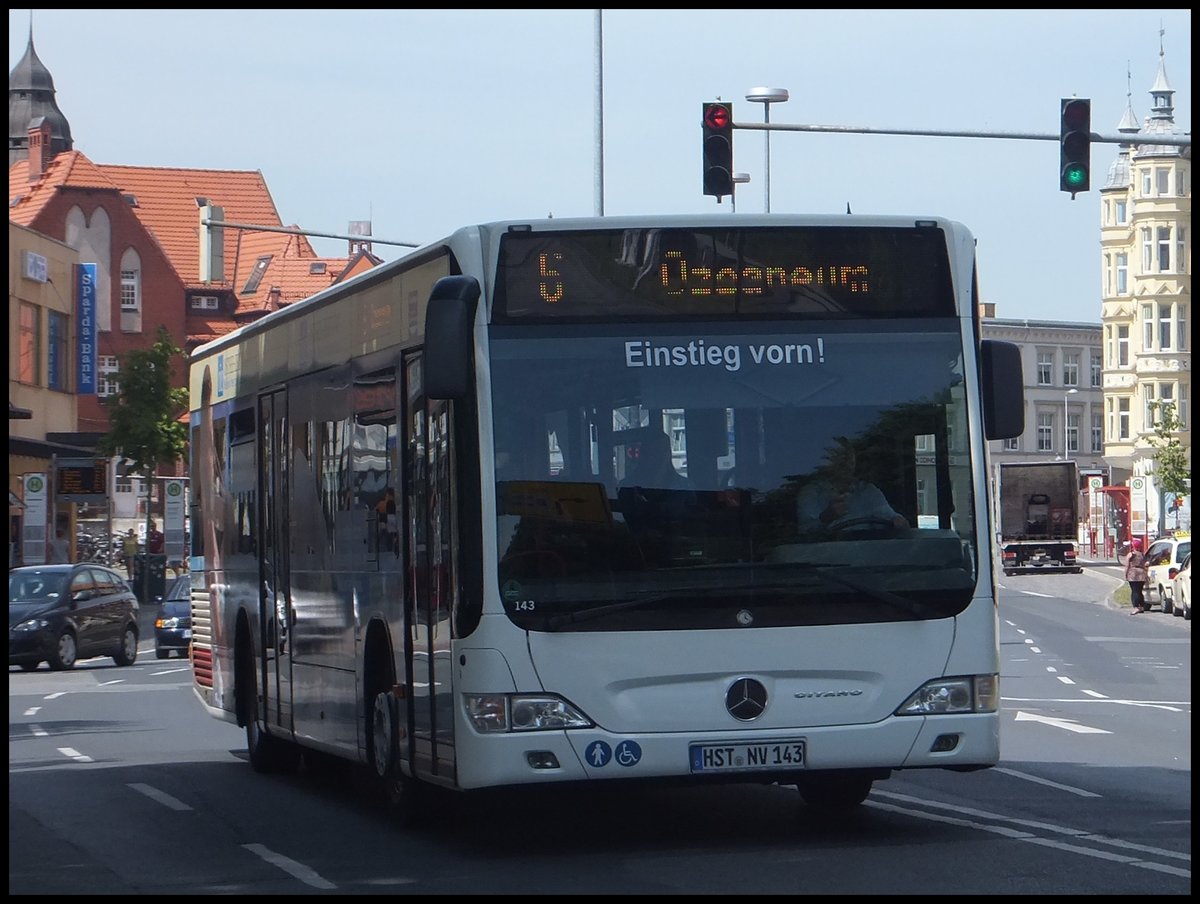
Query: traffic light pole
x=1097 y=138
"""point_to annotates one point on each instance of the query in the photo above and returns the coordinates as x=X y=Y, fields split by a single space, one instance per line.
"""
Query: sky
x=422 y=121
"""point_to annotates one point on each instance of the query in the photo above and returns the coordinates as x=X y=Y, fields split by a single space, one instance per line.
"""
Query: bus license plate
x=747 y=756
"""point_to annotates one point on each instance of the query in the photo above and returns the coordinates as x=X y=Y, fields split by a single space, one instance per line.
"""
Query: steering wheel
x=864 y=524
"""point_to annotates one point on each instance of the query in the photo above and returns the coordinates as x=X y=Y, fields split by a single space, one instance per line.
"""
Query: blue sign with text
x=86 y=312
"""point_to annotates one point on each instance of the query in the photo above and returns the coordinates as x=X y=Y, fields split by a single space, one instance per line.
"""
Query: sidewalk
x=1111 y=568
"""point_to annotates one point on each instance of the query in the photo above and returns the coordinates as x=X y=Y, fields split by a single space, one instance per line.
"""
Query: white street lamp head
x=768 y=95
x=740 y=178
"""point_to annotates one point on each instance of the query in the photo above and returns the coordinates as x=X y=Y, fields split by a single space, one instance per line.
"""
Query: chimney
x=273 y=296
x=987 y=309
x=39 y=148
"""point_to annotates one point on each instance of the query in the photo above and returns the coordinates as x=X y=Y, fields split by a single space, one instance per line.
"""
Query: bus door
x=431 y=577
x=274 y=609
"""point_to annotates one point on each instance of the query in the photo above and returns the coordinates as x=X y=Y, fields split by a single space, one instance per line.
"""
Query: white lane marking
x=107 y=683
x=1042 y=781
x=161 y=796
x=38 y=732
x=75 y=755
x=1095 y=694
x=1169 y=707
x=1051 y=669
x=32 y=711
x=186 y=668
x=55 y=695
x=1068 y=724
x=305 y=874
x=1044 y=826
x=1065 y=680
x=1046 y=596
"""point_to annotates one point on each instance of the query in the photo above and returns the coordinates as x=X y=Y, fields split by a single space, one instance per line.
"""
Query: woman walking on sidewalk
x=1135 y=574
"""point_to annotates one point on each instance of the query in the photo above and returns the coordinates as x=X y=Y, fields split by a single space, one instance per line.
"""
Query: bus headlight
x=522 y=712
x=966 y=694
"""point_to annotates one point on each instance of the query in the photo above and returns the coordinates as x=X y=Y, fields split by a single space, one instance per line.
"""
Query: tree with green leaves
x=1171 y=470
x=144 y=413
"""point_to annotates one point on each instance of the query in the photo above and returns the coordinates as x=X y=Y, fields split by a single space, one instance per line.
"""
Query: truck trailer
x=1039 y=517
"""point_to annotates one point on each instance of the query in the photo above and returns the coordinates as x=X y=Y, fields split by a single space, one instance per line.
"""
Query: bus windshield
x=713 y=473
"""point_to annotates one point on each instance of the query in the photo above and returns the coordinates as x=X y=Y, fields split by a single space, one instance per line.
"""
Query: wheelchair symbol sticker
x=628 y=753
x=598 y=754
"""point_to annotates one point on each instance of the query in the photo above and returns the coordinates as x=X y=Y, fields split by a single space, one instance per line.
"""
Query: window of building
x=131 y=290
x=204 y=302
x=1109 y=348
x=1045 y=368
x=1147 y=250
x=1145 y=183
x=123 y=483
x=107 y=369
x=1070 y=368
x=256 y=275
x=1097 y=426
x=1148 y=327
x=1122 y=345
x=1072 y=432
x=1045 y=432
x=1122 y=212
x=1162 y=177
x=1164 y=249
x=1108 y=274
x=1164 y=326
x=57 y=361
x=1097 y=368
x=1123 y=417
x=1012 y=444
x=1122 y=273
x=1180 y=249
x=1181 y=407
x=1181 y=327
x=1148 y=397
x=1166 y=399
x=28 y=345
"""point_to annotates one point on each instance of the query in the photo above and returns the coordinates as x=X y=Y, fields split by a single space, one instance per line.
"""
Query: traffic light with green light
x=1075 y=145
x=717 y=152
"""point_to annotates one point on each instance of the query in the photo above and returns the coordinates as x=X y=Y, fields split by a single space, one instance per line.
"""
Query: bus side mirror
x=449 y=338
x=1003 y=389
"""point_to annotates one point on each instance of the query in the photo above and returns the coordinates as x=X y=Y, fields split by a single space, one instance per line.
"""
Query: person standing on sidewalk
x=1135 y=574
x=129 y=548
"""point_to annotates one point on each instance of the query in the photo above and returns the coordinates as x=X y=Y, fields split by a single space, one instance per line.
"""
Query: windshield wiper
x=903 y=603
x=554 y=622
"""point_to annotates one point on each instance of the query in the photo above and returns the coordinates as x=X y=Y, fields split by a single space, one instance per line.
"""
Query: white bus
x=525 y=506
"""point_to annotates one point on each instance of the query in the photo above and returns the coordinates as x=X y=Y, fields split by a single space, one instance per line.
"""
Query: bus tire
x=385 y=738
x=835 y=790
x=266 y=753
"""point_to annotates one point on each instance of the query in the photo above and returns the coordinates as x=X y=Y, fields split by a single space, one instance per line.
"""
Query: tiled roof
x=25 y=201
x=167 y=201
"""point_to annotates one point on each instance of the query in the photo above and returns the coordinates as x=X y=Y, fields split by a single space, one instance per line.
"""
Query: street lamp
x=738 y=179
x=1066 y=395
x=766 y=97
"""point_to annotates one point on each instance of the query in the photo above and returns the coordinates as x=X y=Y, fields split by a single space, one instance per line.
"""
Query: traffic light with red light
x=1075 y=144
x=717 y=126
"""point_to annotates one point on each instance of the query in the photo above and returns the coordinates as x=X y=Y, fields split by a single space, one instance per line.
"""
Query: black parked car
x=173 y=627
x=61 y=613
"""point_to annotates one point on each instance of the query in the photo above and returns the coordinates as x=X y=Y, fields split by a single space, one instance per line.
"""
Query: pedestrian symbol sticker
x=628 y=753
x=598 y=754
